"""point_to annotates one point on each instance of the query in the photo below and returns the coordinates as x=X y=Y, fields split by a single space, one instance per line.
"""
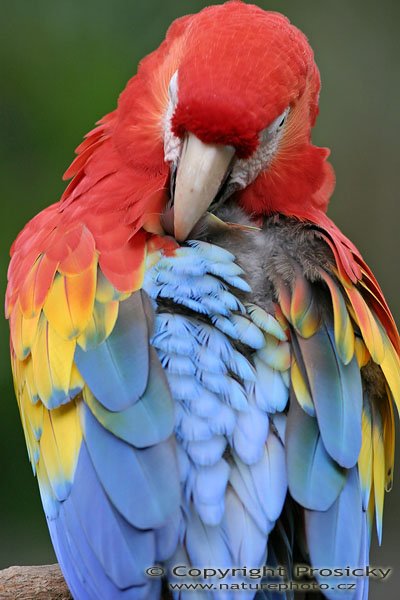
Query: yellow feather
x=389 y=438
x=391 y=370
x=300 y=389
x=30 y=380
x=304 y=314
x=365 y=458
x=344 y=334
x=60 y=444
x=275 y=353
x=30 y=439
x=100 y=324
x=76 y=382
x=18 y=370
x=152 y=258
x=106 y=292
x=362 y=354
x=52 y=361
x=368 y=324
x=370 y=515
x=33 y=413
x=23 y=331
x=28 y=332
x=50 y=504
x=378 y=468
x=69 y=304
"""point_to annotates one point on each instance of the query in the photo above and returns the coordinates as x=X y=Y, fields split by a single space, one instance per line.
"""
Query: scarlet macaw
x=204 y=364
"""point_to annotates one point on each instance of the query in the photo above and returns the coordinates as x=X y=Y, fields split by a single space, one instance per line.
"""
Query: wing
x=95 y=405
x=345 y=374
x=90 y=353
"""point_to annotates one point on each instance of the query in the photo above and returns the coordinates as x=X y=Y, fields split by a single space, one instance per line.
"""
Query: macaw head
x=226 y=105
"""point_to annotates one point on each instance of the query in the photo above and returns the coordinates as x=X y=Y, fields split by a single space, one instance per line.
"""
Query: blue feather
x=240 y=366
x=250 y=433
x=206 y=359
x=76 y=574
x=244 y=485
x=167 y=538
x=223 y=421
x=225 y=325
x=103 y=586
x=231 y=390
x=269 y=476
x=177 y=363
x=272 y=394
x=213 y=303
x=206 y=452
x=363 y=582
x=248 y=333
x=181 y=557
x=231 y=301
x=315 y=479
x=206 y=544
x=174 y=344
x=194 y=305
x=189 y=285
x=247 y=543
x=190 y=427
x=280 y=421
x=177 y=324
x=239 y=283
x=211 y=252
x=141 y=484
x=335 y=536
x=185 y=388
x=225 y=270
x=207 y=404
x=209 y=491
x=117 y=369
x=265 y=321
x=221 y=346
x=337 y=394
x=184 y=262
x=149 y=421
x=123 y=551
x=51 y=505
x=184 y=464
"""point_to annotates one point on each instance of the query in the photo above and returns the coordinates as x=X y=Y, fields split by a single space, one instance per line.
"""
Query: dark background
x=63 y=65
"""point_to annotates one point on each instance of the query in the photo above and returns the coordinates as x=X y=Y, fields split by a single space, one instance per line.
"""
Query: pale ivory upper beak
x=202 y=169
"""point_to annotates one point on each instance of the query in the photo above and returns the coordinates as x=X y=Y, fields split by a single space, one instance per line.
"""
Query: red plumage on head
x=242 y=67
x=238 y=68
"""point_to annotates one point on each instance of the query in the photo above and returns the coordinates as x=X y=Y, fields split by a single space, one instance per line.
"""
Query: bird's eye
x=281 y=120
x=274 y=130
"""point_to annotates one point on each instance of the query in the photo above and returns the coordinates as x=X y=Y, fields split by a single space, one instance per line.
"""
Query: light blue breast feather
x=232 y=464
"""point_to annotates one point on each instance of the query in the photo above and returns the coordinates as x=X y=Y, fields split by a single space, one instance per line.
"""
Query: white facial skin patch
x=172 y=143
x=246 y=170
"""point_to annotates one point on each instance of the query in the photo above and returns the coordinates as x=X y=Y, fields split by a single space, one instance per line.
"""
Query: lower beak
x=201 y=171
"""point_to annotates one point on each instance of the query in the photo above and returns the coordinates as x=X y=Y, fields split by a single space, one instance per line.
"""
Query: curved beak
x=201 y=171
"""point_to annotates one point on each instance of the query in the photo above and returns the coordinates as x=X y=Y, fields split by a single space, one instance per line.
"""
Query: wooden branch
x=33 y=583
x=44 y=582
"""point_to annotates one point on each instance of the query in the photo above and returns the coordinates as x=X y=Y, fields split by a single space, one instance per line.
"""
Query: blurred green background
x=63 y=65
